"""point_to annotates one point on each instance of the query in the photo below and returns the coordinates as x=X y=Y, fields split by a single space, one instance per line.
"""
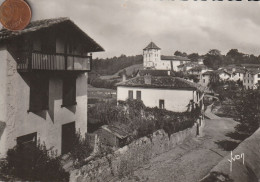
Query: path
x=190 y=161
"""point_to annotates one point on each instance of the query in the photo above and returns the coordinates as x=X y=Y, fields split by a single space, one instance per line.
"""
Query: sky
x=127 y=26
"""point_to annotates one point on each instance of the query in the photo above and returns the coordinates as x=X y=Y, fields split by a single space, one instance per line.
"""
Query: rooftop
x=198 y=68
x=155 y=72
x=38 y=25
x=166 y=82
x=151 y=46
x=115 y=130
x=174 y=58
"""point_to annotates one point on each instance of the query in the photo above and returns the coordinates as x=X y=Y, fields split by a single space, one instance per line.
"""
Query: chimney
x=169 y=73
x=123 y=77
x=148 y=79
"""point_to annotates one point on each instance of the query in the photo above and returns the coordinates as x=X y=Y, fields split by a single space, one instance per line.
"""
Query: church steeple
x=152 y=45
x=151 y=56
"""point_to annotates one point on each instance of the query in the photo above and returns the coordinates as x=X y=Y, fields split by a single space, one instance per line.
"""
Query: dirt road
x=190 y=161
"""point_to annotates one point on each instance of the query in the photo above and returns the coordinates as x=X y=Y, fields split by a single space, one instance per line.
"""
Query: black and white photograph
x=130 y=90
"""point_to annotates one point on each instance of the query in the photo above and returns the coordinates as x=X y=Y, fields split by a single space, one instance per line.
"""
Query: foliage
x=111 y=66
x=247 y=107
x=213 y=59
x=100 y=83
x=178 y=53
x=142 y=120
x=81 y=148
x=34 y=163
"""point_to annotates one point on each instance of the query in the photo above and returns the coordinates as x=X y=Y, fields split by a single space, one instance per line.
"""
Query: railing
x=56 y=61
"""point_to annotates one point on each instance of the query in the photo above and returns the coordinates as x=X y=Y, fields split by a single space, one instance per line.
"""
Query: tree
x=178 y=53
x=213 y=80
x=214 y=52
x=213 y=59
x=247 y=106
x=194 y=56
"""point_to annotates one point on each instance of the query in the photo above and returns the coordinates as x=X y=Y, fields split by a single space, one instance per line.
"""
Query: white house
x=152 y=59
x=165 y=92
x=43 y=84
x=223 y=75
x=251 y=79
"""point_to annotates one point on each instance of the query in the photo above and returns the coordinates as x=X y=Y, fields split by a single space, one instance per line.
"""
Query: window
x=27 y=140
x=69 y=91
x=138 y=95
x=130 y=94
x=252 y=81
x=203 y=80
x=258 y=75
x=161 y=104
x=39 y=94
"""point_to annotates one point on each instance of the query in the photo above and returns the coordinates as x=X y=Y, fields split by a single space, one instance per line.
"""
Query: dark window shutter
x=138 y=95
x=69 y=91
x=39 y=94
x=130 y=94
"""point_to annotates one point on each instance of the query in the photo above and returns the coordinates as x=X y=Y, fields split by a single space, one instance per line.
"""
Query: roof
x=216 y=71
x=198 y=68
x=156 y=72
x=253 y=71
x=115 y=131
x=167 y=82
x=38 y=25
x=174 y=58
x=152 y=46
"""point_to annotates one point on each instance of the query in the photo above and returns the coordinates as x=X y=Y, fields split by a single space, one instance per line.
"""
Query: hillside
x=111 y=66
x=129 y=71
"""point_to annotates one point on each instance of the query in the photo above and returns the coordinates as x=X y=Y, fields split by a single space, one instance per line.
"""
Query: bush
x=33 y=163
x=81 y=149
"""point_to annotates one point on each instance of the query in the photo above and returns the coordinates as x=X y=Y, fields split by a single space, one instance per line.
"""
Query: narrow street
x=190 y=161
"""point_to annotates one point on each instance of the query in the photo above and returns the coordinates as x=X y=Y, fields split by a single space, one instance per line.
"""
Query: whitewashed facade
x=42 y=101
x=152 y=59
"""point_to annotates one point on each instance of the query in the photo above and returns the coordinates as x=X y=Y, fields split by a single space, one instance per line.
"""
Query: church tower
x=151 y=56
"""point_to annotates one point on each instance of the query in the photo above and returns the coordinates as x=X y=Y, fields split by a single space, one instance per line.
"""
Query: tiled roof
x=44 y=24
x=253 y=71
x=174 y=58
x=117 y=131
x=152 y=46
x=156 y=72
x=198 y=68
x=167 y=82
x=216 y=71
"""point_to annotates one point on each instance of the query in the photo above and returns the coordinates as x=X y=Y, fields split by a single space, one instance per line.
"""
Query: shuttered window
x=39 y=94
x=138 y=95
x=69 y=91
x=130 y=94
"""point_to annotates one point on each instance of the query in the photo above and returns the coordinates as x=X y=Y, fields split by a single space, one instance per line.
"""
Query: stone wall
x=247 y=172
x=126 y=159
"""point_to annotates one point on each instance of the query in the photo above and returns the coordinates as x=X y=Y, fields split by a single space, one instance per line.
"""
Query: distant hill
x=111 y=66
x=129 y=71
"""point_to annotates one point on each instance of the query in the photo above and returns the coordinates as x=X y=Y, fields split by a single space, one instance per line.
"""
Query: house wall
x=3 y=98
x=151 y=57
x=250 y=81
x=174 y=100
x=47 y=124
x=238 y=76
x=204 y=80
x=224 y=76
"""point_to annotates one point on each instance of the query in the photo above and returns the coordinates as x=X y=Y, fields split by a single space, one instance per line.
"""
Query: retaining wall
x=125 y=160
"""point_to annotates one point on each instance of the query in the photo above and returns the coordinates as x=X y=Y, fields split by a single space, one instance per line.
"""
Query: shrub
x=34 y=163
x=81 y=149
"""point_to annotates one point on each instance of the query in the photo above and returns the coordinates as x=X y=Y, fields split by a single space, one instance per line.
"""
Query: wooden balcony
x=52 y=62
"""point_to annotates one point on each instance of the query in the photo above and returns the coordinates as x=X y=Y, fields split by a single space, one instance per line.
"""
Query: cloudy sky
x=127 y=26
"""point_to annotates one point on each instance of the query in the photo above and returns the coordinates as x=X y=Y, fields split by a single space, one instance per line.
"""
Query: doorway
x=68 y=134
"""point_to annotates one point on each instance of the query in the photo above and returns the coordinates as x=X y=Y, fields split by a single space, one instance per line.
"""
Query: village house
x=152 y=59
x=198 y=70
x=206 y=76
x=251 y=79
x=165 y=92
x=44 y=70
